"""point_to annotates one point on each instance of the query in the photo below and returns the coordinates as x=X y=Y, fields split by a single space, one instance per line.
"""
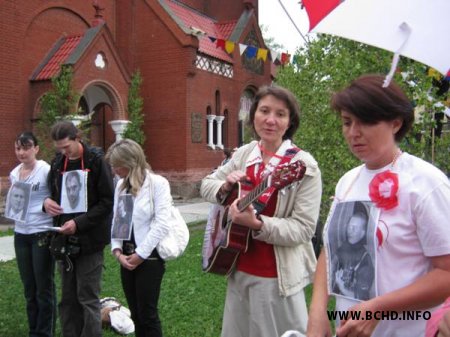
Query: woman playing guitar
x=265 y=286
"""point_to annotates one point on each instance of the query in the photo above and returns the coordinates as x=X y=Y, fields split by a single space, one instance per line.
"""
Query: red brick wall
x=28 y=30
x=147 y=39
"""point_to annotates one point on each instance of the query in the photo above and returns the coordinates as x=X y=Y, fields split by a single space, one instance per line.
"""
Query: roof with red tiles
x=192 y=18
x=57 y=56
x=226 y=28
x=67 y=50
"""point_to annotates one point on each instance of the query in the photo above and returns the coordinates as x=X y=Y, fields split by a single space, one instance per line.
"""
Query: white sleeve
x=159 y=227
x=432 y=215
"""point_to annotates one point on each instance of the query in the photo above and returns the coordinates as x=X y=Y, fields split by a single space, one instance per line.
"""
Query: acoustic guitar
x=224 y=240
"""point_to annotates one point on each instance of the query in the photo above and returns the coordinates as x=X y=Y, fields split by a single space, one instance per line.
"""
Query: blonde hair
x=129 y=154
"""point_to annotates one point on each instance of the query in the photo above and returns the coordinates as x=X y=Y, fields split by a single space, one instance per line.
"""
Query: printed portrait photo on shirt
x=352 y=250
x=17 y=201
x=121 y=229
x=73 y=192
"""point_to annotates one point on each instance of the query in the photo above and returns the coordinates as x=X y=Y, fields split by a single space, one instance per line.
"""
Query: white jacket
x=36 y=217
x=149 y=217
x=294 y=222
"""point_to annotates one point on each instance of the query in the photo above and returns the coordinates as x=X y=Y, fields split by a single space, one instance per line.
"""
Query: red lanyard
x=263 y=150
x=66 y=160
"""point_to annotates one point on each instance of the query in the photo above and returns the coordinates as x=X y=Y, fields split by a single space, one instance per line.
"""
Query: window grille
x=215 y=66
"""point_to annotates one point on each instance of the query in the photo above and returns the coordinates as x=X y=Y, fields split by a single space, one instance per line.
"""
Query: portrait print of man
x=352 y=251
x=121 y=229
x=73 y=198
x=17 y=201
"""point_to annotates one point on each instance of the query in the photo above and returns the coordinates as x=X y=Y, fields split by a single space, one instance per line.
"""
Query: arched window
x=244 y=134
x=218 y=103
x=225 y=129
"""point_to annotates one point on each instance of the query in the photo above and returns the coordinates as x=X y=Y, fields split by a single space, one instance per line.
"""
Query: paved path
x=192 y=212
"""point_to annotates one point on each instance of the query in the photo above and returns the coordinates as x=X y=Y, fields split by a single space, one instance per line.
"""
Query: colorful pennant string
x=253 y=52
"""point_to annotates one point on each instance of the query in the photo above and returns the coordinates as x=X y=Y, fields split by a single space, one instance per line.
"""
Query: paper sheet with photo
x=74 y=192
x=123 y=216
x=18 y=201
x=350 y=237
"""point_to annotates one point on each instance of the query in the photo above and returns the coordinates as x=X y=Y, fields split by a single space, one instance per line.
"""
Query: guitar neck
x=254 y=194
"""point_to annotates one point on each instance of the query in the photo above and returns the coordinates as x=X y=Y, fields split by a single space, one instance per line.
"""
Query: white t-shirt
x=36 y=217
x=417 y=229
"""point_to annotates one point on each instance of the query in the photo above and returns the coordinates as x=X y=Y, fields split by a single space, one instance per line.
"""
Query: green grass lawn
x=191 y=301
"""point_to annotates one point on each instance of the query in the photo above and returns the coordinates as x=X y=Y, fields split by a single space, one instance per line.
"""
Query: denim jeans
x=80 y=307
x=142 y=287
x=36 y=268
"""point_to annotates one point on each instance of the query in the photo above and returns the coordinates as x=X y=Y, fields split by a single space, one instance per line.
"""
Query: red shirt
x=259 y=260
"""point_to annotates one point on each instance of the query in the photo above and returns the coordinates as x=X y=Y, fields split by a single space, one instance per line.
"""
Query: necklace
x=397 y=154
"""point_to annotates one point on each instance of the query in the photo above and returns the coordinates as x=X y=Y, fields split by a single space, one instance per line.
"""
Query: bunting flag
x=262 y=54
x=220 y=44
x=253 y=52
x=229 y=46
x=285 y=58
x=242 y=48
x=274 y=55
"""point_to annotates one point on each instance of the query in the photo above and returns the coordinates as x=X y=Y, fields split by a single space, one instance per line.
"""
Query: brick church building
x=196 y=93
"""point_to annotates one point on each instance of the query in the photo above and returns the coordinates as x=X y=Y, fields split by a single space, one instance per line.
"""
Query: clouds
x=280 y=27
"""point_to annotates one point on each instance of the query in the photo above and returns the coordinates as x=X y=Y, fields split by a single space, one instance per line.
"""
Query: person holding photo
x=141 y=267
x=83 y=235
x=36 y=265
x=411 y=198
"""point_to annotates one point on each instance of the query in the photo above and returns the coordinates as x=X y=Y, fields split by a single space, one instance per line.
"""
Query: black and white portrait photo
x=17 y=201
x=121 y=229
x=74 y=194
x=352 y=250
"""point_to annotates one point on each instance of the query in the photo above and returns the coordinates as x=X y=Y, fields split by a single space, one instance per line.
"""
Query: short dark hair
x=283 y=95
x=227 y=152
x=26 y=138
x=368 y=100
x=64 y=129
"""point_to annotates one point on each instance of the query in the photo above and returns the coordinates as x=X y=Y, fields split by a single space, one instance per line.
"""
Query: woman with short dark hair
x=36 y=265
x=409 y=203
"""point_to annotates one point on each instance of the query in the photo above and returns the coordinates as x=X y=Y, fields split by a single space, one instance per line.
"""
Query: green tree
x=61 y=100
x=135 y=104
x=328 y=64
x=270 y=40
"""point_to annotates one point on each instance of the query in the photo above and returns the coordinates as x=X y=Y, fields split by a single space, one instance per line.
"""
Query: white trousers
x=254 y=308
